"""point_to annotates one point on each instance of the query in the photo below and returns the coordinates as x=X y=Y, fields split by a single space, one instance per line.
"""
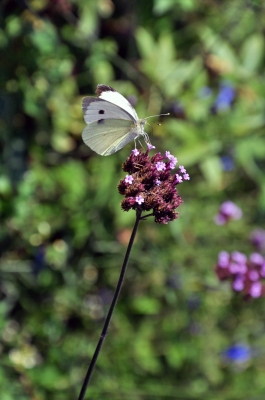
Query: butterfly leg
x=140 y=143
x=146 y=138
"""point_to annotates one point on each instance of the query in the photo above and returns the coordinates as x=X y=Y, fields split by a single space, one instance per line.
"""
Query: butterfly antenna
x=158 y=115
x=149 y=124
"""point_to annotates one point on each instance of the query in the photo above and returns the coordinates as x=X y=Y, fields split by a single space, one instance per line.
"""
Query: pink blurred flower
x=227 y=211
x=245 y=274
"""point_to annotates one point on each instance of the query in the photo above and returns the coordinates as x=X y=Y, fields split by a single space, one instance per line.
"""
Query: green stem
x=113 y=304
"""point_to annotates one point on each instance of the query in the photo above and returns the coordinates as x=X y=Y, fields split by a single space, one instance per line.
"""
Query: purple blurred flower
x=245 y=274
x=253 y=275
x=238 y=257
x=223 y=259
x=150 y=185
x=257 y=238
x=227 y=211
x=255 y=289
x=256 y=259
x=238 y=284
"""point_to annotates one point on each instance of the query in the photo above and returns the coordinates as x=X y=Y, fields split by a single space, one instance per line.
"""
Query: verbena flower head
x=150 y=184
x=247 y=275
x=227 y=212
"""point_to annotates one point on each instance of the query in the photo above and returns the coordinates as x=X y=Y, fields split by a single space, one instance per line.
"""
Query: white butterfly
x=111 y=120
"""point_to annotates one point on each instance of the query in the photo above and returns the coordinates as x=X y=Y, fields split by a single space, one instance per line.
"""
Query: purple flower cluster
x=150 y=185
x=227 y=212
x=247 y=275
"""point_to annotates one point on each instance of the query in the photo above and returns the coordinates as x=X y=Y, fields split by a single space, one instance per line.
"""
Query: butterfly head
x=140 y=125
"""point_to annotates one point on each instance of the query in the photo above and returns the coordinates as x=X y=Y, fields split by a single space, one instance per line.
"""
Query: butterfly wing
x=96 y=109
x=106 y=136
x=112 y=96
x=112 y=121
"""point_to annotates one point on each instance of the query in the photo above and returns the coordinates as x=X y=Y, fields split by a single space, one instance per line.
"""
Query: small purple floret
x=135 y=152
x=182 y=169
x=150 y=146
x=139 y=199
x=178 y=178
x=129 y=179
x=160 y=166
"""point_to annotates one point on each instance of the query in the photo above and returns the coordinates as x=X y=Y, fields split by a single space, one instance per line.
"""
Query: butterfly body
x=112 y=122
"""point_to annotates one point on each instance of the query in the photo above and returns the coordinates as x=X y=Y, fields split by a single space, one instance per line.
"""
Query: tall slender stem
x=113 y=304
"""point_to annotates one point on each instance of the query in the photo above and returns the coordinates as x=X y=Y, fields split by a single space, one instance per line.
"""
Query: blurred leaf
x=211 y=168
x=252 y=52
x=247 y=152
x=198 y=151
x=221 y=48
x=146 y=43
x=145 y=305
x=45 y=38
x=162 y=6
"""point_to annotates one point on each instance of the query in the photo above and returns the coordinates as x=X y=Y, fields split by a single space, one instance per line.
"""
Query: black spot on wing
x=101 y=112
x=101 y=121
x=104 y=88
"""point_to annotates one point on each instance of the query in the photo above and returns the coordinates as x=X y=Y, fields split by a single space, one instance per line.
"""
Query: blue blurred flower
x=224 y=98
x=38 y=262
x=238 y=353
x=227 y=163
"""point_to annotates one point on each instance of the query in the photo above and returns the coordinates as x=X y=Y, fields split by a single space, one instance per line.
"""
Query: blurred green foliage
x=63 y=235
